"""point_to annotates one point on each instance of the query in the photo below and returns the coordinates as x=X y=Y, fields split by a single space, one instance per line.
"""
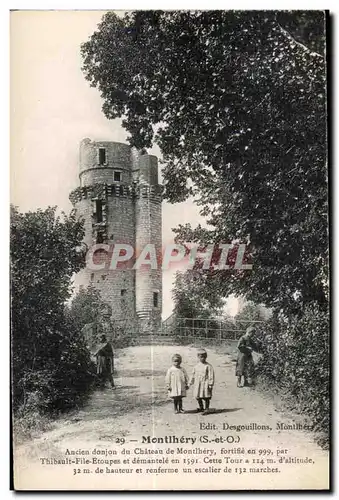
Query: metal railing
x=195 y=328
x=201 y=328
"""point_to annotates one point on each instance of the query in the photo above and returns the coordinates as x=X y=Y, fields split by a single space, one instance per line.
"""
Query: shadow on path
x=214 y=411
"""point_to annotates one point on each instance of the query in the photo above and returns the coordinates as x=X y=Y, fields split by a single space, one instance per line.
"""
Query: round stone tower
x=148 y=234
x=119 y=200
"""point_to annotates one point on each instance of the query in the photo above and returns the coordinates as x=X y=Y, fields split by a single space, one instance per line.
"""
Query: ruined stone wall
x=118 y=158
x=131 y=214
x=117 y=286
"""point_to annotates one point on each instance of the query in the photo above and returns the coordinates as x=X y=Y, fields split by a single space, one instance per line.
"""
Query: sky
x=52 y=108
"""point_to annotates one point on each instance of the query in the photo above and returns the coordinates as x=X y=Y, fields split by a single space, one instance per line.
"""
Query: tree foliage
x=50 y=363
x=236 y=102
x=296 y=360
x=86 y=306
x=191 y=298
x=250 y=312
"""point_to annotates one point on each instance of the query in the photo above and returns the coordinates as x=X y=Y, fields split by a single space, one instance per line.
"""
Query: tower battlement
x=109 y=190
x=119 y=199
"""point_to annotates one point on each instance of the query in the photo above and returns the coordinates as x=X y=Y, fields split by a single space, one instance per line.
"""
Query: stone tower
x=119 y=199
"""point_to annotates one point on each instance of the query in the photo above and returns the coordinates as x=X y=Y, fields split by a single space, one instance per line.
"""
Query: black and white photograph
x=169 y=250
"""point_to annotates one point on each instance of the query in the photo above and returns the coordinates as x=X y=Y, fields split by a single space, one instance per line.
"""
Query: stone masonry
x=119 y=200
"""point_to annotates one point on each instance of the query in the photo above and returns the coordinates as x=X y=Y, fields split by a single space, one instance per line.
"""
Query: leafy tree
x=250 y=312
x=236 y=102
x=50 y=363
x=296 y=360
x=189 y=301
x=86 y=306
x=93 y=317
x=192 y=307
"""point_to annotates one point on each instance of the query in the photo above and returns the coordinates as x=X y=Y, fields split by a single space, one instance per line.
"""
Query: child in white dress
x=203 y=381
x=177 y=383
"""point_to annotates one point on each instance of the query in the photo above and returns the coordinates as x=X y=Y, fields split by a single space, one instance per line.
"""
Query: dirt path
x=139 y=407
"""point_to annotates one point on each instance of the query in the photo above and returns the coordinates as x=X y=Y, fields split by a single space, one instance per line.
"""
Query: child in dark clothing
x=104 y=357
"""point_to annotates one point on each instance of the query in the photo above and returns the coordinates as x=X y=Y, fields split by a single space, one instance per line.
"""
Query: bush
x=123 y=339
x=57 y=381
x=51 y=367
x=296 y=359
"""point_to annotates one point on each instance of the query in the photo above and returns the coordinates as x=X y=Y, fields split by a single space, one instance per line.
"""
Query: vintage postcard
x=169 y=250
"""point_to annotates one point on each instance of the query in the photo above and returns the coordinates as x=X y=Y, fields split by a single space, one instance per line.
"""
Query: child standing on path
x=203 y=381
x=177 y=383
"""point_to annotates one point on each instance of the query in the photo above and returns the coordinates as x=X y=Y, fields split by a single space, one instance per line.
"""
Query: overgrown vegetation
x=94 y=318
x=189 y=301
x=296 y=360
x=51 y=366
x=250 y=314
x=86 y=306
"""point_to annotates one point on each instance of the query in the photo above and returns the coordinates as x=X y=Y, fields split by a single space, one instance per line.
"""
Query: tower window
x=102 y=156
x=155 y=299
x=98 y=210
x=100 y=238
x=123 y=292
x=117 y=176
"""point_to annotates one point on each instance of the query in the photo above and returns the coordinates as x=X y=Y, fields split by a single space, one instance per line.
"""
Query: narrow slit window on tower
x=117 y=176
x=102 y=156
x=100 y=238
x=155 y=299
x=98 y=210
x=123 y=292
